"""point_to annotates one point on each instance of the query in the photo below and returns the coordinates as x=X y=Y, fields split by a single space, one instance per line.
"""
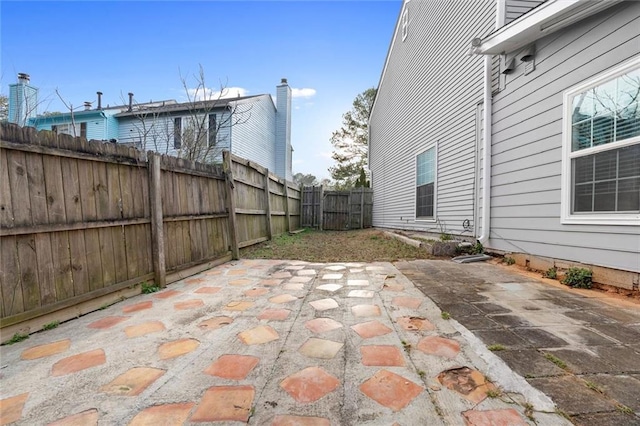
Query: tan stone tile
x=508 y=417
x=107 y=322
x=361 y=283
x=382 y=356
x=436 y=345
x=75 y=363
x=274 y=314
x=324 y=304
x=390 y=390
x=393 y=287
x=300 y=279
x=208 y=290
x=177 y=348
x=332 y=276
x=336 y=268
x=188 y=304
x=370 y=329
x=238 y=305
x=166 y=294
x=255 y=292
x=320 y=348
x=137 y=307
x=163 y=415
x=293 y=286
x=270 y=282
x=283 y=274
x=133 y=382
x=11 y=408
x=237 y=272
x=233 y=367
x=225 y=403
x=215 y=323
x=198 y=280
x=310 y=384
x=307 y=272
x=283 y=298
x=258 y=335
x=85 y=418
x=241 y=282
x=365 y=294
x=415 y=323
x=322 y=325
x=329 y=287
x=48 y=349
x=407 y=302
x=144 y=328
x=366 y=310
x=300 y=421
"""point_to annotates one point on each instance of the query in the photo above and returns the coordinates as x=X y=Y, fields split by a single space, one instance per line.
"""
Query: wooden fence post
x=157 y=226
x=286 y=204
x=362 y=207
x=267 y=204
x=231 y=204
x=320 y=208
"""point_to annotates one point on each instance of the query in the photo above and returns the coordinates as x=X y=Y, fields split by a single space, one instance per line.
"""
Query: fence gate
x=337 y=210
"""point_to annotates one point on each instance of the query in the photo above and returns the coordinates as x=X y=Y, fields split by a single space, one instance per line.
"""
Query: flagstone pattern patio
x=258 y=341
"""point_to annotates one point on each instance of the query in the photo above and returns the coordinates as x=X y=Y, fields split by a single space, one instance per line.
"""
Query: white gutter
x=486 y=153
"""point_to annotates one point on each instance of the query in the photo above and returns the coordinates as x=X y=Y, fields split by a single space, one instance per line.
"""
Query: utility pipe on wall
x=486 y=151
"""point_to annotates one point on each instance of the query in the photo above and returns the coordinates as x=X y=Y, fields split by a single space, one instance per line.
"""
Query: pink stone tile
x=133 y=382
x=283 y=298
x=166 y=294
x=382 y=355
x=336 y=268
x=177 y=348
x=320 y=348
x=271 y=282
x=393 y=287
x=255 y=292
x=329 y=287
x=137 y=307
x=238 y=305
x=390 y=390
x=407 y=302
x=208 y=290
x=214 y=272
x=307 y=272
x=293 y=286
x=79 y=362
x=11 y=408
x=322 y=325
x=198 y=280
x=48 y=349
x=324 y=304
x=241 y=282
x=436 y=345
x=415 y=323
x=468 y=382
x=237 y=272
x=233 y=367
x=300 y=421
x=310 y=384
x=370 y=329
x=107 y=322
x=283 y=274
x=332 y=276
x=274 y=314
x=167 y=414
x=188 y=304
x=361 y=283
x=507 y=417
x=300 y=279
x=258 y=335
x=144 y=328
x=366 y=310
x=85 y=418
x=366 y=294
x=225 y=403
x=215 y=323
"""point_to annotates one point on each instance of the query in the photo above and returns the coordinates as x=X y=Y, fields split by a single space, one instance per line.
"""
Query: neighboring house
x=252 y=127
x=562 y=81
x=23 y=100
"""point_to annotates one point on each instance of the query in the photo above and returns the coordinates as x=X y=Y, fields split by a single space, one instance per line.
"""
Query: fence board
x=6 y=209
x=72 y=205
x=37 y=191
x=336 y=210
x=28 y=271
x=79 y=266
x=62 y=277
x=18 y=182
x=10 y=285
x=54 y=193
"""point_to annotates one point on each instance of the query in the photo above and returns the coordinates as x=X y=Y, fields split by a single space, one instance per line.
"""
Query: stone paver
x=280 y=343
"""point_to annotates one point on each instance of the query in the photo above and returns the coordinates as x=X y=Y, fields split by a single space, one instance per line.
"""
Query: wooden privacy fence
x=80 y=219
x=337 y=210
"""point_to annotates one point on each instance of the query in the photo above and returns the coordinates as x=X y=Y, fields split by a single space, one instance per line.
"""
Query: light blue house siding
x=527 y=145
x=98 y=124
x=254 y=138
x=427 y=103
x=23 y=101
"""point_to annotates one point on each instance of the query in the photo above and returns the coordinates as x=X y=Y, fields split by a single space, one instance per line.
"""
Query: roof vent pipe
x=87 y=106
x=99 y=100
x=23 y=78
x=130 y=102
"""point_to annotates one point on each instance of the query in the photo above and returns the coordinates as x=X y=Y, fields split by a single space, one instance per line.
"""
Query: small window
x=213 y=130
x=177 y=133
x=405 y=22
x=425 y=184
x=601 y=149
x=54 y=128
x=83 y=130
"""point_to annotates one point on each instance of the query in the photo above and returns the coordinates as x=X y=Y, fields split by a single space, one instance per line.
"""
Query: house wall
x=255 y=138
x=527 y=145
x=428 y=94
x=96 y=124
x=516 y=8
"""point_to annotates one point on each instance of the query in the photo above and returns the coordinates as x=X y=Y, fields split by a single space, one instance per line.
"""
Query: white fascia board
x=541 y=21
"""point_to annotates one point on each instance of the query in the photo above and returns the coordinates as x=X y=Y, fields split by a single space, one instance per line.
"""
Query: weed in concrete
x=593 y=386
x=528 y=411
x=445 y=315
x=563 y=414
x=422 y=374
x=624 y=409
x=18 y=337
x=578 y=278
x=551 y=273
x=508 y=260
x=529 y=376
x=148 y=288
x=496 y=347
x=557 y=361
x=406 y=346
x=51 y=325
x=494 y=393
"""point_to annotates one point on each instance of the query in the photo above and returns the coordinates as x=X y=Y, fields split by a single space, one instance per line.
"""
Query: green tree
x=302 y=179
x=362 y=181
x=351 y=141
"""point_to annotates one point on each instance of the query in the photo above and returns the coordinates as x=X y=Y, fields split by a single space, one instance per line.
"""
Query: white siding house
x=562 y=82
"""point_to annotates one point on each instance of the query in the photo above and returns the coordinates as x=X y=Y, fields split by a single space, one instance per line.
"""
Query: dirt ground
x=366 y=245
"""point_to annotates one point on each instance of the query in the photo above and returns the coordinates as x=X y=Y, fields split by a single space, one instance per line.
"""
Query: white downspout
x=486 y=158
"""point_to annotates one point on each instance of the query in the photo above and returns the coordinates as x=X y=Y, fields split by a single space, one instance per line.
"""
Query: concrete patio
x=268 y=343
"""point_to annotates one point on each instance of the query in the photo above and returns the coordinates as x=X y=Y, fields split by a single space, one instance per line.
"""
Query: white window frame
x=435 y=186
x=566 y=192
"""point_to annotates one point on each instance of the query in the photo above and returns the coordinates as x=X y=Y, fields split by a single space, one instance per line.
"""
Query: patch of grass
x=51 y=325
x=551 y=273
x=578 y=278
x=361 y=245
x=496 y=347
x=624 y=409
x=445 y=315
x=508 y=260
x=494 y=393
x=446 y=237
x=147 y=288
x=18 y=337
x=557 y=361
x=593 y=386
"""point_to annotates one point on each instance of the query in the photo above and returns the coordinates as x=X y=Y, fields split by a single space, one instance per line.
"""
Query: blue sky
x=335 y=48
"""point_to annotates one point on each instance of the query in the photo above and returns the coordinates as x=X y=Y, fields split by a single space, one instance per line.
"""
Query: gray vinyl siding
x=527 y=145
x=516 y=8
x=428 y=94
x=255 y=138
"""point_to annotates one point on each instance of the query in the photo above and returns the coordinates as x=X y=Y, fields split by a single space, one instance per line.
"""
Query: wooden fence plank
x=157 y=228
x=37 y=190
x=6 y=209
x=267 y=204
x=10 y=284
x=87 y=191
x=28 y=271
x=62 y=275
x=71 y=179
x=231 y=203
x=52 y=171
x=79 y=266
x=107 y=257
